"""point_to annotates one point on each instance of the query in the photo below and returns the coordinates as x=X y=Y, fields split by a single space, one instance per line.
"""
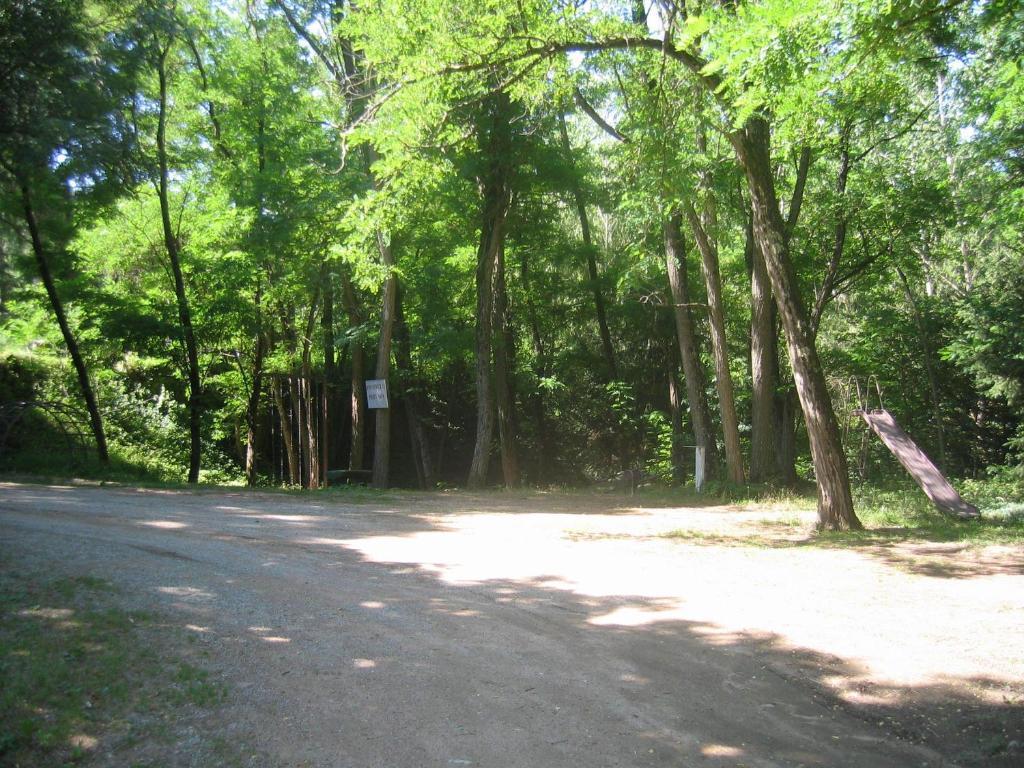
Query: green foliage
x=301 y=142
x=20 y=377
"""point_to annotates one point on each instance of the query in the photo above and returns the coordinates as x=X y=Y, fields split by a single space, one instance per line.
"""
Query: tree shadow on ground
x=673 y=691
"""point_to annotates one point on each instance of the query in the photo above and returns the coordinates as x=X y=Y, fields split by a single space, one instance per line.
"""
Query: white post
x=698 y=467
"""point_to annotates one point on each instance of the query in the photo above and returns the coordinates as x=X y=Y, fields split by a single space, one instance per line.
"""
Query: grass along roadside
x=891 y=514
x=86 y=681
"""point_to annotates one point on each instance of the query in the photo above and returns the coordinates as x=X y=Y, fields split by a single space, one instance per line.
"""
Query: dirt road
x=414 y=631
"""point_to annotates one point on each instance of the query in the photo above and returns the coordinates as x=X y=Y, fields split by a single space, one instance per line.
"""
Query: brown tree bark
x=298 y=412
x=607 y=350
x=287 y=435
x=494 y=219
x=835 y=502
x=418 y=438
x=504 y=375
x=253 y=405
x=693 y=372
x=357 y=406
x=174 y=256
x=494 y=136
x=328 y=396
x=716 y=315
x=675 y=405
x=772 y=438
x=763 y=367
x=84 y=384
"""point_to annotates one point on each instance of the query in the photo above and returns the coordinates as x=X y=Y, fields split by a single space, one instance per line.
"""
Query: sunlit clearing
x=619 y=571
x=196 y=628
x=169 y=525
x=720 y=750
x=364 y=663
x=82 y=741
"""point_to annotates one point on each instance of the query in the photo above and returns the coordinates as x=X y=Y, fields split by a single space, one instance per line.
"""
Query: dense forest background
x=576 y=238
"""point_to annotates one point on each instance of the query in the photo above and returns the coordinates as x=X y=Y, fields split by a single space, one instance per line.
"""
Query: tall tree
x=60 y=124
x=162 y=44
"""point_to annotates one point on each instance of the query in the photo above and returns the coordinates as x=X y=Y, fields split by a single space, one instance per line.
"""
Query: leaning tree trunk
x=181 y=298
x=704 y=235
x=835 y=502
x=382 y=431
x=38 y=250
x=693 y=372
x=504 y=374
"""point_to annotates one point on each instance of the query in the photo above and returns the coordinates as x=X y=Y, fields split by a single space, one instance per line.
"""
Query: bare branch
x=593 y=114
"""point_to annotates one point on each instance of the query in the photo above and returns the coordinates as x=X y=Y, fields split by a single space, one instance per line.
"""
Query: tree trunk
x=173 y=255
x=418 y=439
x=494 y=139
x=607 y=349
x=298 y=405
x=705 y=235
x=358 y=401
x=835 y=502
x=308 y=392
x=676 y=415
x=764 y=363
x=773 y=422
x=504 y=375
x=484 y=401
x=382 y=431
x=787 y=407
x=284 y=416
x=39 y=251
x=693 y=373
x=328 y=398
x=253 y=406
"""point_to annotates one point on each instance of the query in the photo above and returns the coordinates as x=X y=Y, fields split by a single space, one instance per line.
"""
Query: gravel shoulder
x=489 y=630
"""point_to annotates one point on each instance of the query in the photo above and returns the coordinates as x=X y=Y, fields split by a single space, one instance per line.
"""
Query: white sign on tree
x=376 y=393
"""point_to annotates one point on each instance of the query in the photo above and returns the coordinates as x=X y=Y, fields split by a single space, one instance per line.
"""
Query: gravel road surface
x=416 y=631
